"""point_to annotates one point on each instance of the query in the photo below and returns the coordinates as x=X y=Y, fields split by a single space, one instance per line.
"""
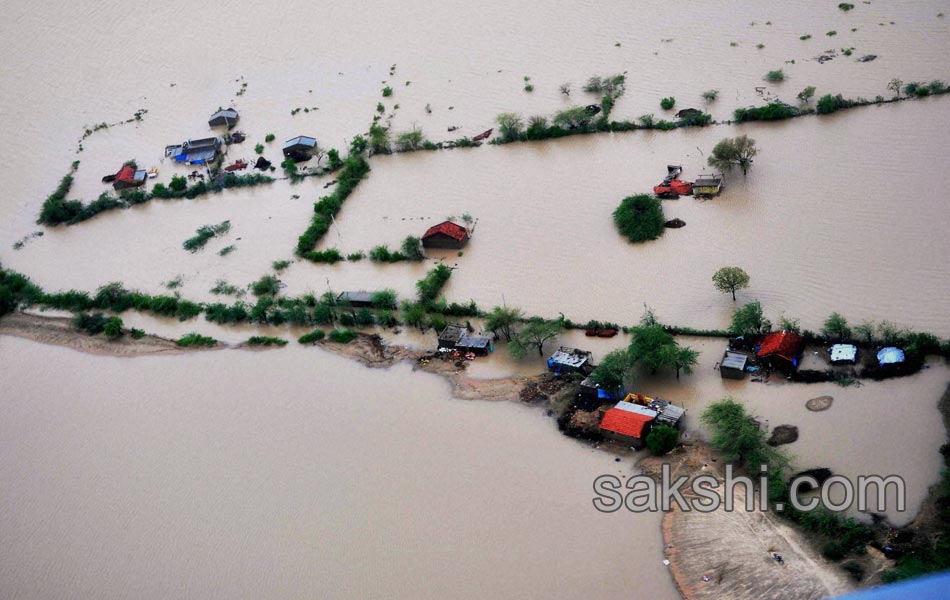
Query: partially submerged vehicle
x=672 y=186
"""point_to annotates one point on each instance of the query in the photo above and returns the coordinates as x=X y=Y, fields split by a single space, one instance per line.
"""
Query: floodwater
x=136 y=480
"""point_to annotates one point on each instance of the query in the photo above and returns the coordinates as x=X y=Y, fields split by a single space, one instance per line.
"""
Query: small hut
x=733 y=365
x=708 y=185
x=356 y=299
x=456 y=337
x=445 y=235
x=300 y=148
x=570 y=360
x=225 y=117
x=127 y=177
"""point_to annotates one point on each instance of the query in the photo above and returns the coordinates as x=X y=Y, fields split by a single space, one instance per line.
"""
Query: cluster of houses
x=627 y=421
x=782 y=351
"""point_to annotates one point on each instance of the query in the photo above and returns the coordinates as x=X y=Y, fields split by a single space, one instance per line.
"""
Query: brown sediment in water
x=58 y=331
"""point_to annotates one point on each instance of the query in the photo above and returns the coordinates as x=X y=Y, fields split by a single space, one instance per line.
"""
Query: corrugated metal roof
x=301 y=140
x=734 y=360
x=356 y=296
x=636 y=408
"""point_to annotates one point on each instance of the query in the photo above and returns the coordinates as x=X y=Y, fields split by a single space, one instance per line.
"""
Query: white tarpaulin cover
x=843 y=352
x=889 y=356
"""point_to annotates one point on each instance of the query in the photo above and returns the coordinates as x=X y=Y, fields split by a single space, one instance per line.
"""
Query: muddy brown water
x=121 y=493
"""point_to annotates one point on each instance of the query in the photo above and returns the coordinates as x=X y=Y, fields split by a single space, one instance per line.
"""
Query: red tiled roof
x=454 y=231
x=786 y=344
x=126 y=174
x=624 y=422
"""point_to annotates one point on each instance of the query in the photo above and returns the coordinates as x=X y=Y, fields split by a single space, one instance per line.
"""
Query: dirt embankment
x=58 y=331
x=729 y=554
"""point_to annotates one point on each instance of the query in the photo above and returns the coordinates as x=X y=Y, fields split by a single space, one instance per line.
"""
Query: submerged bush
x=263 y=340
x=773 y=111
x=775 y=76
x=429 y=286
x=267 y=285
x=639 y=218
x=342 y=336
x=313 y=337
x=354 y=169
x=196 y=340
x=330 y=255
x=668 y=103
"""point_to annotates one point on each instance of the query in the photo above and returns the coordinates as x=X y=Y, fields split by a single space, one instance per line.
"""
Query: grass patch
x=773 y=111
x=313 y=337
x=195 y=340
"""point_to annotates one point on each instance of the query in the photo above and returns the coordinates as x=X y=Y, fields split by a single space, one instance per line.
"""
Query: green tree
x=662 y=439
x=384 y=299
x=684 y=358
x=178 y=183
x=836 y=327
x=509 y=126
x=268 y=285
x=806 y=94
x=895 y=85
x=614 y=370
x=639 y=218
x=378 y=138
x=502 y=320
x=730 y=152
x=575 y=117
x=749 y=320
x=652 y=347
x=730 y=279
x=533 y=335
x=410 y=140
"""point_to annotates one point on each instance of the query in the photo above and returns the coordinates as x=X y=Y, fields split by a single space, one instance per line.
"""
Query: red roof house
x=445 y=235
x=626 y=426
x=128 y=176
x=781 y=349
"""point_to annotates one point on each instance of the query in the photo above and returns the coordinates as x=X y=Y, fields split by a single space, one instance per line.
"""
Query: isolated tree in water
x=731 y=152
x=502 y=320
x=730 y=279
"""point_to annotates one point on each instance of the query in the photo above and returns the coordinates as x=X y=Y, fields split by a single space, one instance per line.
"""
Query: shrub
x=313 y=337
x=267 y=285
x=509 y=126
x=646 y=121
x=662 y=439
x=178 y=183
x=428 y=287
x=364 y=318
x=772 y=111
x=342 y=336
x=330 y=255
x=354 y=169
x=828 y=104
x=410 y=140
x=807 y=36
x=412 y=248
x=572 y=118
x=845 y=6
x=269 y=137
x=385 y=299
x=56 y=209
x=775 y=76
x=259 y=148
x=137 y=334
x=356 y=256
x=387 y=91
x=196 y=340
x=668 y=103
x=263 y=340
x=113 y=328
x=749 y=320
x=205 y=233
x=710 y=95
x=280 y=265
x=836 y=327
x=382 y=253
x=664 y=125
x=92 y=324
x=639 y=218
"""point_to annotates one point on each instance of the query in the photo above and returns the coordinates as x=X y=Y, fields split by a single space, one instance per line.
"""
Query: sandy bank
x=58 y=331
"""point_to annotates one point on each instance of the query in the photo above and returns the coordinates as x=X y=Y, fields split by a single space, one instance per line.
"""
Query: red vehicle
x=672 y=186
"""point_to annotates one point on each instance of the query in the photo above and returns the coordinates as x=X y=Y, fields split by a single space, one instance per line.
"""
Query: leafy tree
x=533 y=335
x=575 y=117
x=806 y=94
x=639 y=218
x=710 y=95
x=865 y=331
x=730 y=279
x=895 y=86
x=178 y=183
x=614 y=369
x=668 y=103
x=749 y=320
x=651 y=347
x=509 y=126
x=502 y=320
x=378 y=138
x=410 y=140
x=684 y=358
x=662 y=439
x=789 y=324
x=414 y=314
x=729 y=152
x=268 y=285
x=836 y=327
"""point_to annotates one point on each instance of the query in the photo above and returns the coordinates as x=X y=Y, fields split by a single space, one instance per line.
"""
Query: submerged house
x=300 y=148
x=445 y=235
x=226 y=117
x=127 y=177
x=195 y=152
x=708 y=185
x=781 y=350
x=356 y=299
x=628 y=423
x=733 y=365
x=843 y=354
x=591 y=395
x=570 y=360
x=456 y=337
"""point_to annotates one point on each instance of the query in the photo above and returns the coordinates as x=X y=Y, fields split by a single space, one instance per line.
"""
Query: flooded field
x=194 y=475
